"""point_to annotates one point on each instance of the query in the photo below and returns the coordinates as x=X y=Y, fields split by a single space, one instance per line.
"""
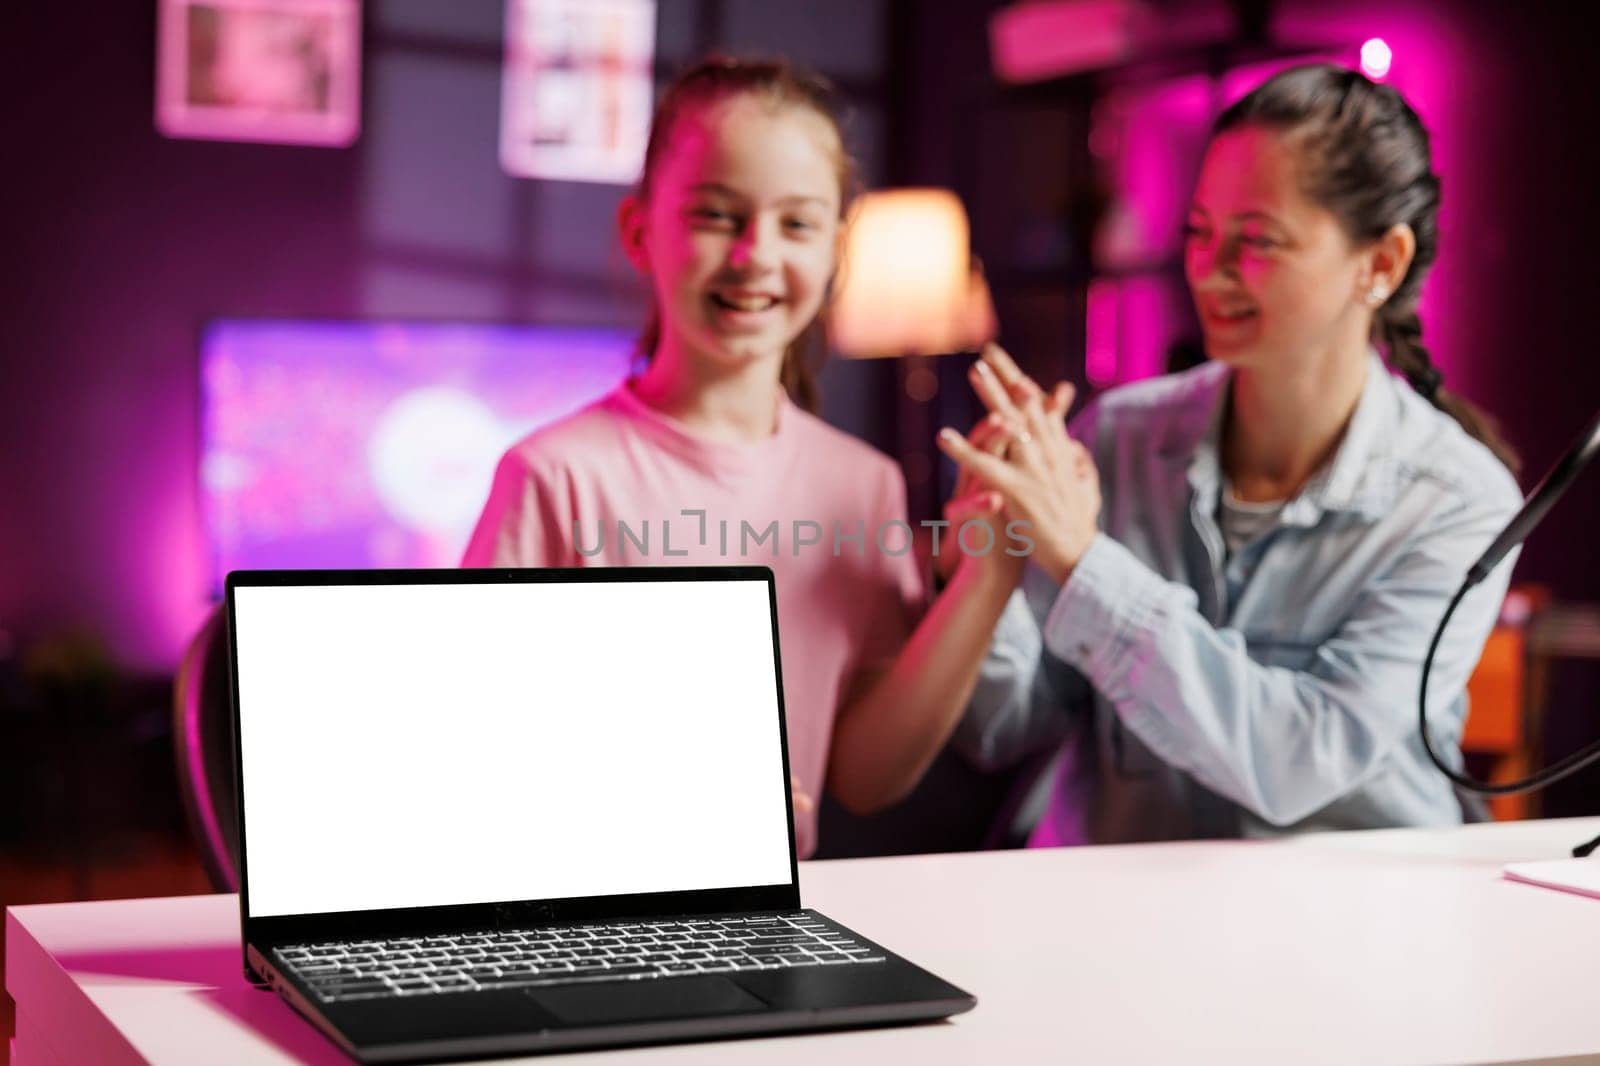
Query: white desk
x=1396 y=946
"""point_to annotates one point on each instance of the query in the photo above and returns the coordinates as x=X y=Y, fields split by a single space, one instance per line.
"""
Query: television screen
x=372 y=444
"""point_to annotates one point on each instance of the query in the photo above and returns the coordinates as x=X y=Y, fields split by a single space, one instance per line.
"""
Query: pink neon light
x=1100 y=334
x=191 y=694
x=1163 y=133
x=1031 y=41
x=1148 y=326
x=1437 y=57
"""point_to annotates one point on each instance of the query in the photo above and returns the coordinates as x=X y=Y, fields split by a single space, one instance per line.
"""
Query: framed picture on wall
x=282 y=71
x=576 y=93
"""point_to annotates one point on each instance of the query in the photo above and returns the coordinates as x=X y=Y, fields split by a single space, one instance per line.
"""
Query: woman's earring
x=1377 y=294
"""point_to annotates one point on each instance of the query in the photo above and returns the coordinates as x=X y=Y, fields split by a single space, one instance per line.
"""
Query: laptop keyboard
x=607 y=952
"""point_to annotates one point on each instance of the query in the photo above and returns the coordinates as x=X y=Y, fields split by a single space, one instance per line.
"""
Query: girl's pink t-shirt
x=825 y=511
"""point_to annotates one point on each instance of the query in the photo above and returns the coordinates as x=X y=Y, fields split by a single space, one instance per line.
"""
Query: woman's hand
x=1042 y=475
x=973 y=500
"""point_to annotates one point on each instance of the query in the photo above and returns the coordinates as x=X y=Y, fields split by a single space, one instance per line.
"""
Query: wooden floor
x=148 y=864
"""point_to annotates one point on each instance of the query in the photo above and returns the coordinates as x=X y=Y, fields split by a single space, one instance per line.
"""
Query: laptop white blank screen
x=423 y=745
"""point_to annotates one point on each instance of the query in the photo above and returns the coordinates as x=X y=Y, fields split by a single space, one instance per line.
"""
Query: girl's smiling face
x=740 y=231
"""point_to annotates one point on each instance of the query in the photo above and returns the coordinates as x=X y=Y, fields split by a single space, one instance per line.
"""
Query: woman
x=1238 y=568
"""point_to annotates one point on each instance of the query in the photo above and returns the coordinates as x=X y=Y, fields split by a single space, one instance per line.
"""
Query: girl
x=713 y=454
x=1239 y=567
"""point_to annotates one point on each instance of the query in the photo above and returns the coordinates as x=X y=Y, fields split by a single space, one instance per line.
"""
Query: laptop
x=499 y=811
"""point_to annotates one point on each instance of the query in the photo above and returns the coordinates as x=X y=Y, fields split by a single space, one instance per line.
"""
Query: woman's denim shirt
x=1199 y=695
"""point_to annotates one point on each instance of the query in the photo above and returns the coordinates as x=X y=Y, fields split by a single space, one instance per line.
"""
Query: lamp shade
x=907 y=283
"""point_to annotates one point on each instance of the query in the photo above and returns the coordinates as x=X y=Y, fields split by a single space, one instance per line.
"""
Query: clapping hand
x=1020 y=462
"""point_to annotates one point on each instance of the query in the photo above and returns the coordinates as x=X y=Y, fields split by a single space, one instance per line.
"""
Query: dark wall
x=1532 y=221
x=1533 y=224
x=126 y=242
x=123 y=242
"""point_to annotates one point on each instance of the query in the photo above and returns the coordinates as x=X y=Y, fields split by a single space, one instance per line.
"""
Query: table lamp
x=910 y=288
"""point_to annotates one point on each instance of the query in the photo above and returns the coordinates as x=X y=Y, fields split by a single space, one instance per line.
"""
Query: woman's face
x=1275 y=280
x=740 y=234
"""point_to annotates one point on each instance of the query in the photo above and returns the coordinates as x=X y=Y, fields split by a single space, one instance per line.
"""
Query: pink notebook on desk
x=1581 y=876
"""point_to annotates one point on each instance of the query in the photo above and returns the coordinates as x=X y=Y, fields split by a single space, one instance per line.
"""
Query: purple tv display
x=373 y=444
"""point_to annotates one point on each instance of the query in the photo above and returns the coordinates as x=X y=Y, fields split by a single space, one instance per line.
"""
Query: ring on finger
x=1014 y=441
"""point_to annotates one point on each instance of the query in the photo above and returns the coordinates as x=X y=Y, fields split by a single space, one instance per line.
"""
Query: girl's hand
x=803 y=804
x=1043 y=476
x=972 y=502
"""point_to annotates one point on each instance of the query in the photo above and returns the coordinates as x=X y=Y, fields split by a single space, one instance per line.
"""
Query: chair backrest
x=202 y=734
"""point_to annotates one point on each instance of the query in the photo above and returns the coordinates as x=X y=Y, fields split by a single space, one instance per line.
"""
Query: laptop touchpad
x=641 y=1001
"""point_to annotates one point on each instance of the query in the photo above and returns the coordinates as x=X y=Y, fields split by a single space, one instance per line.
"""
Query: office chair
x=202 y=735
